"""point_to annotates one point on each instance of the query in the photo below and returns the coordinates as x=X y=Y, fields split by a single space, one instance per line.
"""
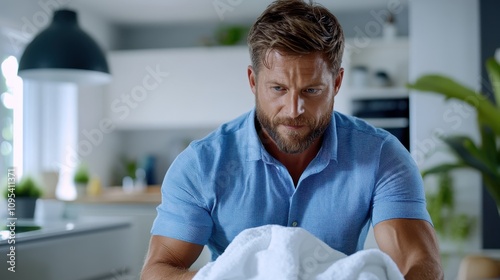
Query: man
x=294 y=162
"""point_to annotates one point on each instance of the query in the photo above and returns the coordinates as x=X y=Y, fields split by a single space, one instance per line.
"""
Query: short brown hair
x=295 y=27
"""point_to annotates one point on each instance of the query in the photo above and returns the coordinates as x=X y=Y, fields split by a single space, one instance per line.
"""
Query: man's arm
x=170 y=258
x=412 y=244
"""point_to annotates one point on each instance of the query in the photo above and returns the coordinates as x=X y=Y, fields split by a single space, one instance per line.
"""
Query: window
x=10 y=117
x=38 y=123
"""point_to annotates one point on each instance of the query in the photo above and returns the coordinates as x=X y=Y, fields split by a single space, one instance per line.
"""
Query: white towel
x=277 y=252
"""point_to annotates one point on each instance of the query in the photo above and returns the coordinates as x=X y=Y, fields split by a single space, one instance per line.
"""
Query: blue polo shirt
x=227 y=182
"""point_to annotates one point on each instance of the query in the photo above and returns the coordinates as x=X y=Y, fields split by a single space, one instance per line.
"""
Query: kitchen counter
x=93 y=248
x=150 y=195
x=52 y=229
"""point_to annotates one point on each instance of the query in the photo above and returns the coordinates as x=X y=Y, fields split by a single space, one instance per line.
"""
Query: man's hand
x=170 y=258
x=412 y=244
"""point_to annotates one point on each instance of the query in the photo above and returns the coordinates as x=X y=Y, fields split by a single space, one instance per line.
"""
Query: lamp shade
x=63 y=52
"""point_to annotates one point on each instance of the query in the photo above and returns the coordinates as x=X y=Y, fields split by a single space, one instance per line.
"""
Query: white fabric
x=277 y=252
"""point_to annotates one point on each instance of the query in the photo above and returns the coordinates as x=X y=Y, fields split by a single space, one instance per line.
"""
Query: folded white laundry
x=277 y=252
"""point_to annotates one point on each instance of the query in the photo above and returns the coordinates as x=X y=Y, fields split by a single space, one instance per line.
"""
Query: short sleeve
x=183 y=213
x=399 y=191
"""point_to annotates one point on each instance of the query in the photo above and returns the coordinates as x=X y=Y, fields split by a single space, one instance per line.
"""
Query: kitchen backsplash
x=152 y=150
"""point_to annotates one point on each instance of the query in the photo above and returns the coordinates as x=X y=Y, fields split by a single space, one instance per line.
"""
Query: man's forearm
x=160 y=271
x=426 y=270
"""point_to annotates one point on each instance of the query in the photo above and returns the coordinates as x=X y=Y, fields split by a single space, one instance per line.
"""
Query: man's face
x=294 y=99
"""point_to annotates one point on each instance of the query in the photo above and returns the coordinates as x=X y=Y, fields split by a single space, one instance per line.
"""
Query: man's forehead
x=294 y=64
x=276 y=59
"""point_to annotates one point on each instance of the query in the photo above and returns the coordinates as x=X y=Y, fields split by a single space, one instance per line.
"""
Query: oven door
x=398 y=127
x=390 y=114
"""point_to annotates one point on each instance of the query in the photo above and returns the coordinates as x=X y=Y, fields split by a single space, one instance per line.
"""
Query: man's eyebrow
x=276 y=82
x=313 y=84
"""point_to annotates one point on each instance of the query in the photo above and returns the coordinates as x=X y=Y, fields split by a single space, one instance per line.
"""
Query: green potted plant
x=23 y=196
x=230 y=35
x=485 y=155
x=441 y=206
x=81 y=179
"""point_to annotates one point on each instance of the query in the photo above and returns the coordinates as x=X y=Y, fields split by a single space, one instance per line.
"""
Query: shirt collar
x=330 y=142
x=255 y=147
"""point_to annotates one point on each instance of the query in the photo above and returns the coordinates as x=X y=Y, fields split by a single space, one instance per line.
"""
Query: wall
x=450 y=47
x=17 y=24
x=21 y=20
x=163 y=145
x=97 y=146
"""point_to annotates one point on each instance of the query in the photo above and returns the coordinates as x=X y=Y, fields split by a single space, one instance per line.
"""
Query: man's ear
x=252 y=79
x=338 y=80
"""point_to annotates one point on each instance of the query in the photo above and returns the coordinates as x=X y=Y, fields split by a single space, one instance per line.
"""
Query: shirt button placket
x=295 y=223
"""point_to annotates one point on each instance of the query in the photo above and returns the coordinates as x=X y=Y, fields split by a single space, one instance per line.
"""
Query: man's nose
x=295 y=105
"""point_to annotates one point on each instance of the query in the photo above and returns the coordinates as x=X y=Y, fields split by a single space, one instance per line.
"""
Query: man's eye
x=278 y=88
x=312 y=91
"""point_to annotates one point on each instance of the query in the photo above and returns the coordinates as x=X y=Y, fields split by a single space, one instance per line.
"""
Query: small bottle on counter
x=128 y=184
x=94 y=188
x=140 y=180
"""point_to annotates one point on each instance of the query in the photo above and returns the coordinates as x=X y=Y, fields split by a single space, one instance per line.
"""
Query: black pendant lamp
x=63 y=52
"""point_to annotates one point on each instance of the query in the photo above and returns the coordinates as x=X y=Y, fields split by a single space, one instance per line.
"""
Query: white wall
x=21 y=20
x=444 y=38
x=100 y=30
x=98 y=145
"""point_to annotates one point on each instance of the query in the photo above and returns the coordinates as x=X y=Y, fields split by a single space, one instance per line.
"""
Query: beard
x=290 y=141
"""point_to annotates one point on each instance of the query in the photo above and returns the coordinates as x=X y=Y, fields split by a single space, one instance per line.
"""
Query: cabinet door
x=140 y=215
x=192 y=87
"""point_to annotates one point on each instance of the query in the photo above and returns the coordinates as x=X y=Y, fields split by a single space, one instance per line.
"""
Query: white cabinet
x=141 y=216
x=170 y=88
x=70 y=249
x=206 y=86
x=376 y=55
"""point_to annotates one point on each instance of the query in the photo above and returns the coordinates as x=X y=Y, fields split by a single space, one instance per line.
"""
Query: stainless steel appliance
x=391 y=114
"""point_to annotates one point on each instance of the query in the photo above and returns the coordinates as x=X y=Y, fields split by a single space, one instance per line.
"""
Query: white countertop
x=57 y=228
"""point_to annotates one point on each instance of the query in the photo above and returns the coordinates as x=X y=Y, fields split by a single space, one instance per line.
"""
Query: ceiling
x=135 y=12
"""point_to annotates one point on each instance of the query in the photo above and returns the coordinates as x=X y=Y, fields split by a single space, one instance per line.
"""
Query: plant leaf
x=488 y=112
x=492 y=184
x=445 y=191
x=493 y=69
x=470 y=154
x=442 y=168
x=488 y=143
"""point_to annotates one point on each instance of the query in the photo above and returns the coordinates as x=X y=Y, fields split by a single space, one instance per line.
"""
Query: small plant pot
x=25 y=207
x=81 y=189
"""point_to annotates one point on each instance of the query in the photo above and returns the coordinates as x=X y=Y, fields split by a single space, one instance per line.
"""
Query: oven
x=391 y=114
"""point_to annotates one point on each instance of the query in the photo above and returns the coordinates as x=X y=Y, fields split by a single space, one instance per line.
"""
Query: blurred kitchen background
x=179 y=71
